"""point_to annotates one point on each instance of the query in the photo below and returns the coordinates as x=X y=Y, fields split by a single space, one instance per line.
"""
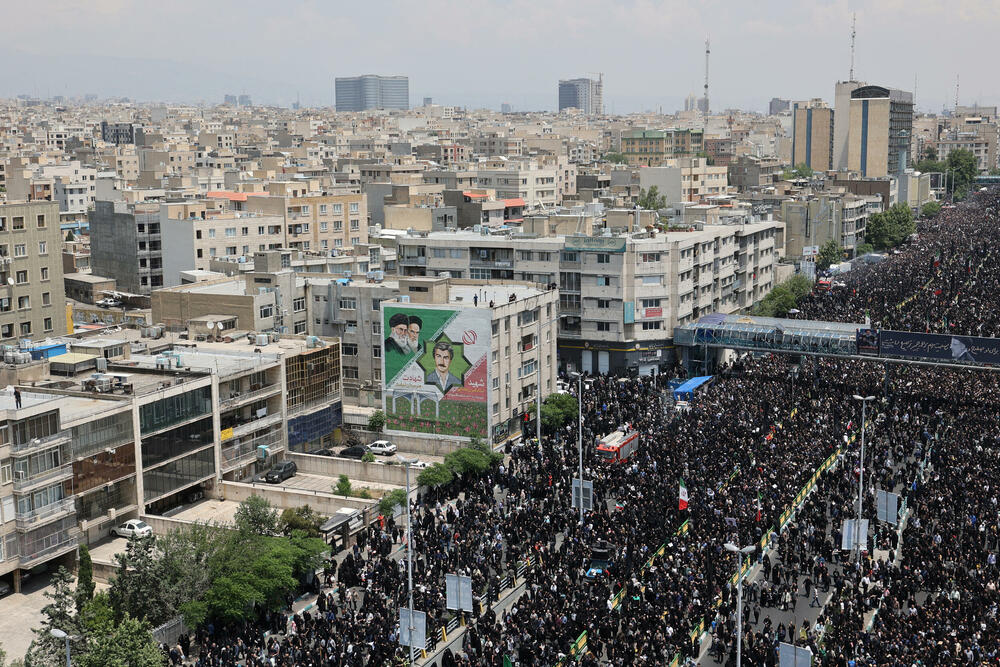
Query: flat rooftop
x=499 y=294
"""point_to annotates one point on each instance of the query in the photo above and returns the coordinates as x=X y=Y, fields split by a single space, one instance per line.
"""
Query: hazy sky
x=483 y=52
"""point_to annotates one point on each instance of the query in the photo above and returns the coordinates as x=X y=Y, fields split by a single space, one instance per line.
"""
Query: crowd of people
x=744 y=448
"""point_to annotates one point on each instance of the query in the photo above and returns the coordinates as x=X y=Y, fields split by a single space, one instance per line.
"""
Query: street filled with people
x=922 y=588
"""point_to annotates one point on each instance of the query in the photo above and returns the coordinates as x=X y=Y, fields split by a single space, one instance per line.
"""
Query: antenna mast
x=956 y=94
x=707 y=51
x=854 y=18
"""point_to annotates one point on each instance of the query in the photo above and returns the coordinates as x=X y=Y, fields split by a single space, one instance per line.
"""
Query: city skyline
x=651 y=53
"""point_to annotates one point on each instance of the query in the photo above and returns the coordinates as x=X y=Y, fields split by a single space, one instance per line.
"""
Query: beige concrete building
x=32 y=295
x=652 y=148
x=881 y=122
x=812 y=135
x=317 y=222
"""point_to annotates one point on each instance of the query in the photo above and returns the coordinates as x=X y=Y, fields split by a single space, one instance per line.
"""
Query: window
x=299 y=304
x=338 y=209
x=47 y=324
x=348 y=303
x=21 y=277
x=355 y=225
x=211 y=252
x=25 y=328
x=324 y=226
x=5 y=473
x=650 y=303
x=570 y=257
x=260 y=230
x=349 y=349
x=230 y=232
x=322 y=209
x=354 y=207
x=300 y=327
x=338 y=243
x=376 y=351
x=604 y=303
x=20 y=250
x=338 y=225
x=43 y=248
x=355 y=240
x=351 y=372
x=231 y=250
x=376 y=303
x=7 y=331
x=603 y=258
x=245 y=231
x=604 y=326
x=650 y=257
x=456 y=253
x=211 y=233
x=651 y=280
x=41 y=221
x=23 y=302
x=648 y=326
x=603 y=281
x=525 y=255
x=267 y=310
x=17 y=222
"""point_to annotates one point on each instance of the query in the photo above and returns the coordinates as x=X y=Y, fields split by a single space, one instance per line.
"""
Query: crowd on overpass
x=744 y=448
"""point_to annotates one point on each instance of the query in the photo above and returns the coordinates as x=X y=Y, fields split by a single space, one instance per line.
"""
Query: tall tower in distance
x=703 y=104
x=587 y=95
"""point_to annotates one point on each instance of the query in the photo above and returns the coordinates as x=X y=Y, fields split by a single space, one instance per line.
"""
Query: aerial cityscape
x=658 y=334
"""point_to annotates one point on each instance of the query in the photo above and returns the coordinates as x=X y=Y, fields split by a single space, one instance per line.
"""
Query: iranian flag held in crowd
x=682 y=498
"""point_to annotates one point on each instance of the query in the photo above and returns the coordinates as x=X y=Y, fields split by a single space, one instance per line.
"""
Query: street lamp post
x=59 y=634
x=861 y=476
x=729 y=546
x=579 y=435
x=409 y=555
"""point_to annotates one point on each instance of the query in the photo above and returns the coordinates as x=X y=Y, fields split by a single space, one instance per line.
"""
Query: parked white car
x=383 y=447
x=133 y=527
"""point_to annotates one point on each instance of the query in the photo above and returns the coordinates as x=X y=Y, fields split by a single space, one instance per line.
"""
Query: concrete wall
x=431 y=445
x=283 y=498
x=332 y=467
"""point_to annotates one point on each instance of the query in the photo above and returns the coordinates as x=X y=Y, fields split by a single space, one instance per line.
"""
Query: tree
x=97 y=614
x=829 y=253
x=557 y=411
x=141 y=588
x=801 y=170
x=877 y=231
x=84 y=578
x=466 y=461
x=481 y=445
x=615 y=158
x=303 y=519
x=436 y=475
x=784 y=297
x=651 y=199
x=930 y=153
x=864 y=249
x=60 y=614
x=343 y=486
x=930 y=209
x=126 y=644
x=69 y=237
x=389 y=502
x=256 y=515
x=964 y=167
x=368 y=457
x=376 y=421
x=889 y=229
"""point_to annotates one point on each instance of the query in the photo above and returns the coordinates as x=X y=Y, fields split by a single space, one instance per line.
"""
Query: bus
x=617 y=447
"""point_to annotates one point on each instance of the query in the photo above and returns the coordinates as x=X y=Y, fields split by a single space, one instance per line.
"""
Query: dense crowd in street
x=744 y=448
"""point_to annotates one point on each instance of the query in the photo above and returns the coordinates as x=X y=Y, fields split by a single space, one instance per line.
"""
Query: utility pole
x=729 y=546
x=409 y=557
x=538 y=390
x=861 y=476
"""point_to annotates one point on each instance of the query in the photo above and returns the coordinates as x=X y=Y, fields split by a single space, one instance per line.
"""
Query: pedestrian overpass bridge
x=697 y=341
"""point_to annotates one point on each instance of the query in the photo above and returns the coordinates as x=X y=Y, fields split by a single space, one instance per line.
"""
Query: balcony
x=256 y=424
x=42 y=515
x=26 y=484
x=36 y=445
x=492 y=263
x=66 y=542
x=242 y=397
x=245 y=452
x=413 y=261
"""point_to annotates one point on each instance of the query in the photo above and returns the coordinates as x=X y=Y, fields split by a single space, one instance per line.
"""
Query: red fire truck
x=617 y=447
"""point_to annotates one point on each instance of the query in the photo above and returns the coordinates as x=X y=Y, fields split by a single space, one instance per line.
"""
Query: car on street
x=355 y=452
x=383 y=447
x=322 y=452
x=133 y=527
x=280 y=472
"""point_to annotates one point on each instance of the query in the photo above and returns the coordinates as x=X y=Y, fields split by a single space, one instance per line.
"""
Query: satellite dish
x=10 y=281
x=219 y=324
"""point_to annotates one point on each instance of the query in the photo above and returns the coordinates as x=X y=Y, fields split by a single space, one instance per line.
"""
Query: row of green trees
x=784 y=297
x=890 y=228
x=963 y=168
x=471 y=461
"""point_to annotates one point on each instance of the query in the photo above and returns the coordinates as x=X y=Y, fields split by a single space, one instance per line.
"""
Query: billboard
x=436 y=369
x=972 y=349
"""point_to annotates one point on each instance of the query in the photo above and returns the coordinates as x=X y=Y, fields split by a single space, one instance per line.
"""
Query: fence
x=170 y=631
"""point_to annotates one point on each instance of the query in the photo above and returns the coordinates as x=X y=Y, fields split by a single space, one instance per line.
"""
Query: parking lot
x=324 y=483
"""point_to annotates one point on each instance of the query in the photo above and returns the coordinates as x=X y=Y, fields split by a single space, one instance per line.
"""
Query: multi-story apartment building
x=881 y=122
x=816 y=219
x=653 y=148
x=979 y=137
x=370 y=91
x=699 y=179
x=536 y=184
x=812 y=135
x=32 y=296
x=82 y=451
x=121 y=133
x=126 y=244
x=315 y=221
x=587 y=95
x=748 y=172
x=494 y=144
x=70 y=184
x=620 y=296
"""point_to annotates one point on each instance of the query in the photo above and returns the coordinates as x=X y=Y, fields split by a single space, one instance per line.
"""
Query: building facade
x=881 y=122
x=812 y=136
x=361 y=93
x=32 y=295
x=652 y=148
x=587 y=95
